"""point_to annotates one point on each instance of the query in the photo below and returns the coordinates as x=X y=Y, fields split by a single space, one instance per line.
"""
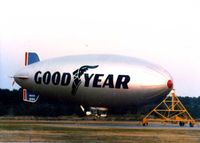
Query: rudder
x=30 y=58
x=29 y=97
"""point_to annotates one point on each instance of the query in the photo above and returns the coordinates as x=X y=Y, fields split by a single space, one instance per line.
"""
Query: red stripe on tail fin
x=26 y=58
x=24 y=94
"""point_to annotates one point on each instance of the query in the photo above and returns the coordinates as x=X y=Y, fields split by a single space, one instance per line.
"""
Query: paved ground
x=127 y=125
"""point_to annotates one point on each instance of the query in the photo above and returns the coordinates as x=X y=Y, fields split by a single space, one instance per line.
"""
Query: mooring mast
x=170 y=110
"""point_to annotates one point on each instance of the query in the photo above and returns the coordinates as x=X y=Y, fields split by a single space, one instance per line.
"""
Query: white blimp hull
x=94 y=80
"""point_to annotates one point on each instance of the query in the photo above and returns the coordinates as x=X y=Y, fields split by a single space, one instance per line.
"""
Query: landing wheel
x=191 y=124
x=145 y=124
x=181 y=124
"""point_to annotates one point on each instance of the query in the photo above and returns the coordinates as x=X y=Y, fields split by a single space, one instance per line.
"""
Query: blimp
x=94 y=81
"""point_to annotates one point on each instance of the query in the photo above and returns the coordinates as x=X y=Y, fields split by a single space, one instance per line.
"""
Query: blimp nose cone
x=170 y=84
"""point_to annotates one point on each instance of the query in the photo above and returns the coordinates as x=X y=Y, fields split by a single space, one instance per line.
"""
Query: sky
x=166 y=33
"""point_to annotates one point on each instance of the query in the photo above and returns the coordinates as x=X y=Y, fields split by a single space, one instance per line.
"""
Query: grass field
x=79 y=131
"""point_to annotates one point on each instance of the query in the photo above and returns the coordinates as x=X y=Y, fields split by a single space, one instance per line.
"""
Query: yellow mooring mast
x=170 y=110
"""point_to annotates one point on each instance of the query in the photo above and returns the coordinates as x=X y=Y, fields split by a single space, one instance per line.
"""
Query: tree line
x=12 y=104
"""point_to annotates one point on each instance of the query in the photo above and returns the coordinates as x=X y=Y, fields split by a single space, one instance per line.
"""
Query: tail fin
x=31 y=58
x=28 y=97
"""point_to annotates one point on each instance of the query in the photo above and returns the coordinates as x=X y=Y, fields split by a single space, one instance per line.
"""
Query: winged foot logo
x=77 y=74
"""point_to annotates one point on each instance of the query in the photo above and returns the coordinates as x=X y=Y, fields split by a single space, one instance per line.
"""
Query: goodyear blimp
x=100 y=81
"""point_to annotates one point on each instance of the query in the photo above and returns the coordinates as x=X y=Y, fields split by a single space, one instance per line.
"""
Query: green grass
x=57 y=131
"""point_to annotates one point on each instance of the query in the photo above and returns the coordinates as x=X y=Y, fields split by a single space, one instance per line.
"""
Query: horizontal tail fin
x=29 y=97
x=30 y=58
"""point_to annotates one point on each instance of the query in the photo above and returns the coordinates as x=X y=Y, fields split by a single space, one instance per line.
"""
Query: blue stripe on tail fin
x=29 y=97
x=30 y=58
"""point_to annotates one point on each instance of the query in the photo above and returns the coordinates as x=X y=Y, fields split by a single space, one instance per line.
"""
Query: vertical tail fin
x=28 y=97
x=30 y=58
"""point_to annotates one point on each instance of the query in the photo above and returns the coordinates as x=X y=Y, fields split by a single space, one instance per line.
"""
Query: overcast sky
x=163 y=32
